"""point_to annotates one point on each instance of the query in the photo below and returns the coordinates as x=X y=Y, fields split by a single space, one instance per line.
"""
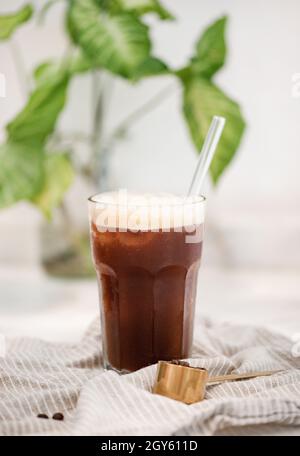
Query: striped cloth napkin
x=42 y=377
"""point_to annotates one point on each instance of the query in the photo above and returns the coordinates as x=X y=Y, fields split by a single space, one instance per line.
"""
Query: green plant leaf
x=21 y=172
x=37 y=120
x=47 y=71
x=9 y=22
x=210 y=50
x=151 y=67
x=118 y=43
x=58 y=176
x=141 y=7
x=56 y=69
x=203 y=100
x=80 y=63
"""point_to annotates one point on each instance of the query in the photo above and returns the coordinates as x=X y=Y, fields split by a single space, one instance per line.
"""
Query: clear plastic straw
x=206 y=155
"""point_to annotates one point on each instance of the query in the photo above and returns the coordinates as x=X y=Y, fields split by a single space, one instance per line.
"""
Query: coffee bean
x=58 y=416
x=43 y=415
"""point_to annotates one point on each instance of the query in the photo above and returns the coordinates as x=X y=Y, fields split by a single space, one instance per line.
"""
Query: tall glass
x=146 y=250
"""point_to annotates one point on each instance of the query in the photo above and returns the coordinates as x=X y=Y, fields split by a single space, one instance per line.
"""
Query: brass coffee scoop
x=187 y=384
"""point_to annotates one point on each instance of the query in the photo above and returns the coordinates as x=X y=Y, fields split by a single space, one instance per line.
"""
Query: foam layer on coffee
x=145 y=212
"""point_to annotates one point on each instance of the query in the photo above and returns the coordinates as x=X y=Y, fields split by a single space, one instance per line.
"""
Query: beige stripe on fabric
x=42 y=377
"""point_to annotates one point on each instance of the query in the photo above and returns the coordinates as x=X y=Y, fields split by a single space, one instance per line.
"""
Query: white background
x=253 y=216
x=262 y=185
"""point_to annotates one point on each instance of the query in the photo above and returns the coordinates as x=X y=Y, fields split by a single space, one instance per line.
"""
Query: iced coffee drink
x=146 y=250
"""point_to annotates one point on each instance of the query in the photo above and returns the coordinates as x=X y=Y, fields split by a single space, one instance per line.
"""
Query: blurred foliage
x=9 y=22
x=106 y=35
x=202 y=99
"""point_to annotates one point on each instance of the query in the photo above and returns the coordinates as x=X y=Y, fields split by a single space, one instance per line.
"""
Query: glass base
x=108 y=367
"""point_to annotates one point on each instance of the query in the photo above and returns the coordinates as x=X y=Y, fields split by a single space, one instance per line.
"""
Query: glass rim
x=199 y=199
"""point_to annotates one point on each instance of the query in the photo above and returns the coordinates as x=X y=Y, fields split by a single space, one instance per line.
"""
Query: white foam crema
x=145 y=212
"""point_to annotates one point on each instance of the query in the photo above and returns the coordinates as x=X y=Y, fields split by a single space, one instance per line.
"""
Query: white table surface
x=32 y=304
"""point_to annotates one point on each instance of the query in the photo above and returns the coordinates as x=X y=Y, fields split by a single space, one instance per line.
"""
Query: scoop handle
x=233 y=377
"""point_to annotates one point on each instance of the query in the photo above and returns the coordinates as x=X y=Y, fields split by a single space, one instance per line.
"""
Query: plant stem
x=44 y=10
x=97 y=126
x=20 y=67
x=76 y=136
x=141 y=111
